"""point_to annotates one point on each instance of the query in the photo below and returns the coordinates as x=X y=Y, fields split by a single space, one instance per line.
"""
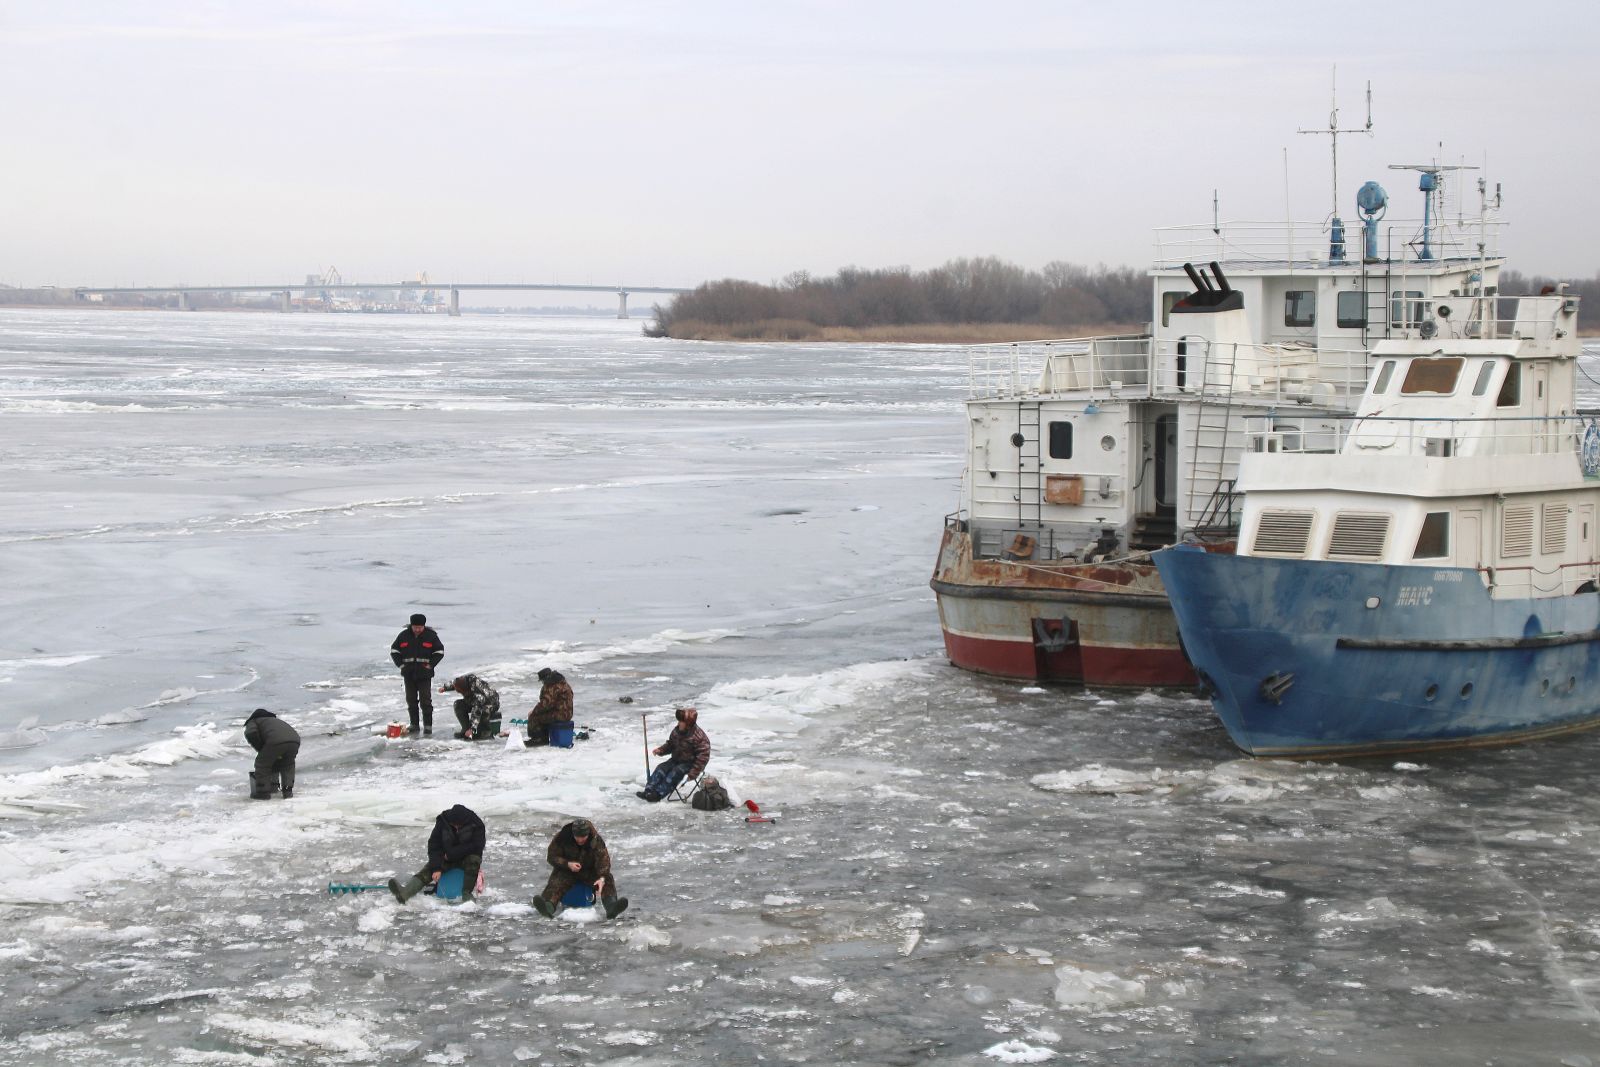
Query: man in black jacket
x=276 y=744
x=457 y=841
x=417 y=651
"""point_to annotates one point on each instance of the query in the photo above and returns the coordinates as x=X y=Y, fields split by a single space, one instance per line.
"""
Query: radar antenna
x=1431 y=184
x=1336 y=224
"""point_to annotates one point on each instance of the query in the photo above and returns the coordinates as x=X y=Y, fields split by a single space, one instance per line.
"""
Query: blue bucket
x=579 y=896
x=561 y=735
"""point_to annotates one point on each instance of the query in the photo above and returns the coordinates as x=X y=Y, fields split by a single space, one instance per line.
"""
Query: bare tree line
x=1515 y=283
x=982 y=290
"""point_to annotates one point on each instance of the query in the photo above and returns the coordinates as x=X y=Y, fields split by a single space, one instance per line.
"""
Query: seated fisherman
x=687 y=749
x=477 y=710
x=555 y=705
x=578 y=854
x=457 y=841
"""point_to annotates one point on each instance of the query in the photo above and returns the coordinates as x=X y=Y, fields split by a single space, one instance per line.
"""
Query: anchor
x=1274 y=685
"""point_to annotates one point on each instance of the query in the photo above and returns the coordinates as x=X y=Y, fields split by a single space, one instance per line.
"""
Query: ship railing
x=1562 y=579
x=1099 y=368
x=1511 y=435
x=1244 y=244
x=1057 y=365
x=1283 y=373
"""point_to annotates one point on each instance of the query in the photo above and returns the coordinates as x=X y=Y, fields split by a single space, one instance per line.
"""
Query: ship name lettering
x=1447 y=576
x=1414 y=595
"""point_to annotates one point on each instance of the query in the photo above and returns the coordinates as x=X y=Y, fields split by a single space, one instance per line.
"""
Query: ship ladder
x=1375 y=311
x=1209 y=467
x=1030 y=487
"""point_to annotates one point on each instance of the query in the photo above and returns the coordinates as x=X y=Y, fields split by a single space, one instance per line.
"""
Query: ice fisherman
x=687 y=749
x=578 y=854
x=555 y=705
x=276 y=744
x=417 y=651
x=477 y=710
x=457 y=841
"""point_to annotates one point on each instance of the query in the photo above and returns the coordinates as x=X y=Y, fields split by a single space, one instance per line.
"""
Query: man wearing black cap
x=416 y=652
x=578 y=854
x=555 y=705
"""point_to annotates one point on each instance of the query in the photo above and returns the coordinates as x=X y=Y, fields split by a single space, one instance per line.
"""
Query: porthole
x=1373 y=601
x=1466 y=691
x=1544 y=686
x=1018 y=440
x=1108 y=442
x=1433 y=691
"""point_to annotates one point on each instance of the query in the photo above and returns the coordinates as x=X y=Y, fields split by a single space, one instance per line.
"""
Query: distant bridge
x=286 y=292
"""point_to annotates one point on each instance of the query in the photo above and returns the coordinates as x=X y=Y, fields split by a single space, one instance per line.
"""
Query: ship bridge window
x=1061 y=440
x=1385 y=374
x=1358 y=535
x=1351 y=314
x=1433 y=375
x=1510 y=389
x=1405 y=308
x=1434 y=540
x=1300 y=307
x=1481 y=386
x=1282 y=533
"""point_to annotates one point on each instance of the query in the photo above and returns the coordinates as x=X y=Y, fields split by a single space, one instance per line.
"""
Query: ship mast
x=1336 y=224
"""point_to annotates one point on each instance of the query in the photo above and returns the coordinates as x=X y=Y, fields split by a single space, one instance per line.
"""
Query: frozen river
x=206 y=513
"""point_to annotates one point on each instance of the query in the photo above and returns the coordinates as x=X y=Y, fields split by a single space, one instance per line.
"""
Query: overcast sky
x=671 y=143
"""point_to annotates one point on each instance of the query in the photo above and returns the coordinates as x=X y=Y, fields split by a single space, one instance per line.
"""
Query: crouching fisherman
x=457 y=841
x=477 y=710
x=578 y=854
x=276 y=744
x=687 y=749
x=555 y=705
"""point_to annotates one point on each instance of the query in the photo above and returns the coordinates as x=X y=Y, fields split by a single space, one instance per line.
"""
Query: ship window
x=1553 y=530
x=1435 y=375
x=1405 y=308
x=1351 y=313
x=1358 y=535
x=1061 y=440
x=1385 y=373
x=1282 y=533
x=1300 y=307
x=1516 y=531
x=1481 y=386
x=1167 y=301
x=1510 y=389
x=1434 y=540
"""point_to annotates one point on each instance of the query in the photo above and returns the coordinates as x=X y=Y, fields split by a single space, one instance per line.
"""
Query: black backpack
x=709 y=795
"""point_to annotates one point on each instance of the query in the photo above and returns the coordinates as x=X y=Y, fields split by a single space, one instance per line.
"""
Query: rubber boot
x=403 y=893
x=544 y=907
x=614 y=906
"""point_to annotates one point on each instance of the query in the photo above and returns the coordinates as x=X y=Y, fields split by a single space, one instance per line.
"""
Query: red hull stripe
x=1094 y=665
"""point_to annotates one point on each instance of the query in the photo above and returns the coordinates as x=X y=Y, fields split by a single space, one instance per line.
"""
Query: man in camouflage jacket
x=477 y=710
x=687 y=749
x=578 y=854
x=555 y=705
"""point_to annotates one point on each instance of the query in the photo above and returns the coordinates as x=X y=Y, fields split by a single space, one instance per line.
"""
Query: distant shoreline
x=969 y=333
x=930 y=333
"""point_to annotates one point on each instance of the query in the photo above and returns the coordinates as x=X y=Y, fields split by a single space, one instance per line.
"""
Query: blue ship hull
x=1314 y=658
